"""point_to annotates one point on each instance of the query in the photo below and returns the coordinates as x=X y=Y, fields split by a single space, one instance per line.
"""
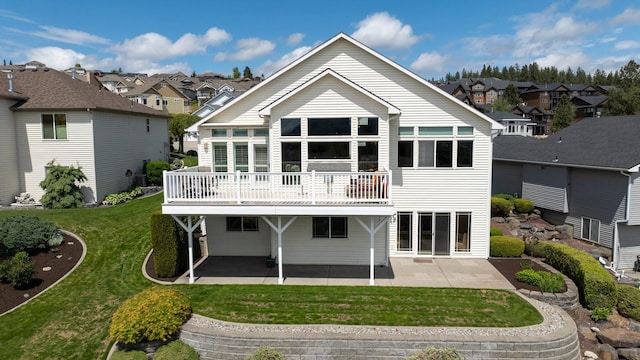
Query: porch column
x=372 y=229
x=279 y=229
x=189 y=227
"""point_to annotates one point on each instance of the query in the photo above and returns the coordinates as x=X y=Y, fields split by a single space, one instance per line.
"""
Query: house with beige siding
x=586 y=176
x=47 y=115
x=342 y=157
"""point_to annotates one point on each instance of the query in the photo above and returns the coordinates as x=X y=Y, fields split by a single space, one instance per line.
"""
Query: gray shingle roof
x=51 y=89
x=609 y=142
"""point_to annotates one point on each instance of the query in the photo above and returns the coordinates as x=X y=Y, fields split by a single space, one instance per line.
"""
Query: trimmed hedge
x=500 y=206
x=535 y=248
x=523 y=206
x=629 y=302
x=495 y=232
x=176 y=350
x=154 y=170
x=506 y=246
x=170 y=247
x=507 y=197
x=596 y=286
x=153 y=314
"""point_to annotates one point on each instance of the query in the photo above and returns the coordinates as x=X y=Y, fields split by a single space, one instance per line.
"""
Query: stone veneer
x=555 y=338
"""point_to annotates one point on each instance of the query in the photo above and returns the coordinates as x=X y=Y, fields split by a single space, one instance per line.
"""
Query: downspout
x=616 y=243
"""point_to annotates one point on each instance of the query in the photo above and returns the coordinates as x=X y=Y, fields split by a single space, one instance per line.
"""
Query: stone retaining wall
x=555 y=338
x=568 y=300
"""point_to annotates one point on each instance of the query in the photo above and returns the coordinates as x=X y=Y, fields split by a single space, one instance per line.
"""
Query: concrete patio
x=423 y=272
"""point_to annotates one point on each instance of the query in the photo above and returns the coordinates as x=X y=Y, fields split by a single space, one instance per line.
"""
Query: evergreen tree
x=623 y=102
x=511 y=95
x=236 y=73
x=60 y=185
x=564 y=114
x=247 y=73
x=501 y=104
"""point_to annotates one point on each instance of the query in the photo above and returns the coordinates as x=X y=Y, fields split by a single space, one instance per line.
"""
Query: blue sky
x=429 y=38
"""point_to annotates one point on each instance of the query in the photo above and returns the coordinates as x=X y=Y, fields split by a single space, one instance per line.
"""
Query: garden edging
x=568 y=300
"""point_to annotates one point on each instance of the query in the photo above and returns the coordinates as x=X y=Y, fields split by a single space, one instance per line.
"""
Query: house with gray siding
x=342 y=157
x=46 y=115
x=586 y=175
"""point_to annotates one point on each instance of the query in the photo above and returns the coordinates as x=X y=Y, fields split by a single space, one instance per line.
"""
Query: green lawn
x=71 y=320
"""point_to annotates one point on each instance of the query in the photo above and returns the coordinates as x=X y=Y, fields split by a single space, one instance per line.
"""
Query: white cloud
x=592 y=4
x=248 y=49
x=627 y=44
x=269 y=67
x=153 y=46
x=69 y=36
x=432 y=61
x=295 y=39
x=55 y=57
x=492 y=46
x=564 y=60
x=383 y=31
x=12 y=15
x=628 y=16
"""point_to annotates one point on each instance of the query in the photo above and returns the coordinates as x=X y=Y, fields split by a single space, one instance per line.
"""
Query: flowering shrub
x=153 y=314
x=123 y=197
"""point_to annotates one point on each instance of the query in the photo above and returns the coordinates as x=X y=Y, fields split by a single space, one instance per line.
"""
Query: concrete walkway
x=439 y=272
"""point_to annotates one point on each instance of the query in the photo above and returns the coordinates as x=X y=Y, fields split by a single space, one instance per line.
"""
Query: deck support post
x=372 y=229
x=189 y=227
x=279 y=229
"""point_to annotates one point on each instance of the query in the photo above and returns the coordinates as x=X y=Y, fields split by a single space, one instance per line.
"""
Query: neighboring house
x=541 y=118
x=589 y=106
x=48 y=115
x=513 y=124
x=586 y=175
x=158 y=94
x=284 y=166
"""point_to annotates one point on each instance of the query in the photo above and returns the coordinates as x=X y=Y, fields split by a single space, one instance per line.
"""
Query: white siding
x=629 y=237
x=9 y=159
x=34 y=152
x=221 y=242
x=122 y=143
x=634 y=199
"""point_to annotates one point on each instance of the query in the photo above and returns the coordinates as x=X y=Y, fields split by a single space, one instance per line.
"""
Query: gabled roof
x=345 y=37
x=328 y=73
x=594 y=100
x=503 y=115
x=48 y=89
x=606 y=143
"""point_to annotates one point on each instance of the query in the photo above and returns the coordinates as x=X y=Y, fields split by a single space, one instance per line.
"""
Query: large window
x=241 y=155
x=367 y=126
x=329 y=150
x=405 y=153
x=242 y=223
x=465 y=154
x=404 y=231
x=54 y=126
x=291 y=157
x=444 y=153
x=334 y=227
x=367 y=155
x=219 y=157
x=463 y=231
x=290 y=127
x=591 y=229
x=329 y=126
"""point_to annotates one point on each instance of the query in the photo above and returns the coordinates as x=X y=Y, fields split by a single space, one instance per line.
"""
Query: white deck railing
x=191 y=185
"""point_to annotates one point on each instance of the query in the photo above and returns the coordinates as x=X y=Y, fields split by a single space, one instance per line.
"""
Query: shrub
x=170 y=248
x=153 y=314
x=546 y=281
x=154 y=171
x=60 y=185
x=18 y=271
x=596 y=287
x=506 y=246
x=264 y=353
x=535 y=248
x=523 y=206
x=495 y=232
x=629 y=302
x=500 y=207
x=529 y=276
x=507 y=197
x=176 y=350
x=25 y=233
x=433 y=353
x=192 y=153
x=123 y=197
x=56 y=239
x=600 y=314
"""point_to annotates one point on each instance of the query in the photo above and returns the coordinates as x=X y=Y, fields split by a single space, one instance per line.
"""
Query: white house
x=47 y=115
x=285 y=167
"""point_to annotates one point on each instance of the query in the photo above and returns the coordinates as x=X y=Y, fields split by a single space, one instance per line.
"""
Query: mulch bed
x=508 y=267
x=71 y=251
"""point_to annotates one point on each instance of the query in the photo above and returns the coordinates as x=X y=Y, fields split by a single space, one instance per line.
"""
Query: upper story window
x=240 y=132
x=261 y=132
x=54 y=126
x=290 y=127
x=435 y=130
x=436 y=146
x=329 y=126
x=218 y=132
x=368 y=126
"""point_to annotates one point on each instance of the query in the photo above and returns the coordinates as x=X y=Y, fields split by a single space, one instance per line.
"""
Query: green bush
x=535 y=248
x=176 y=350
x=495 y=232
x=154 y=171
x=433 y=353
x=596 y=286
x=506 y=246
x=170 y=247
x=510 y=198
x=523 y=206
x=129 y=355
x=629 y=302
x=500 y=207
x=529 y=276
x=18 y=271
x=264 y=353
x=25 y=233
x=123 y=197
x=61 y=189
x=153 y=314
x=600 y=314
x=546 y=281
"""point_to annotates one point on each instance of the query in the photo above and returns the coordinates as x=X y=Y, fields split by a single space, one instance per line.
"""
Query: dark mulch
x=508 y=267
x=71 y=251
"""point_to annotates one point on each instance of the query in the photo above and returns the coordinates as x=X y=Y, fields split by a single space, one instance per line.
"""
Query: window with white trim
x=590 y=229
x=219 y=156
x=437 y=146
x=463 y=231
x=54 y=126
x=330 y=227
x=242 y=223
